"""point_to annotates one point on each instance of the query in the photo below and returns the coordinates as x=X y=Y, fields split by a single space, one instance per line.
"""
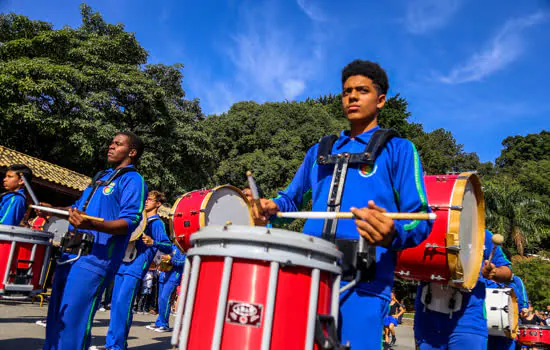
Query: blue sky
x=477 y=68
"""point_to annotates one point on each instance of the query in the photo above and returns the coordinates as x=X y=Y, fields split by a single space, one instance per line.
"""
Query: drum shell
x=186 y=217
x=22 y=240
x=533 y=335
x=195 y=209
x=249 y=288
x=501 y=308
x=431 y=260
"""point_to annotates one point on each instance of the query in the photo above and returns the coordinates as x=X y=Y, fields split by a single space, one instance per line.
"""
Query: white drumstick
x=348 y=215
x=64 y=212
x=497 y=240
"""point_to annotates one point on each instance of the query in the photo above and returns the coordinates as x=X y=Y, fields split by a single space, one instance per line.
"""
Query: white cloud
x=427 y=15
x=504 y=48
x=312 y=11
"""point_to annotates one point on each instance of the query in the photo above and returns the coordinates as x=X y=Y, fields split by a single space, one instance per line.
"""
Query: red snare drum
x=248 y=288
x=533 y=335
x=24 y=255
x=453 y=252
x=201 y=208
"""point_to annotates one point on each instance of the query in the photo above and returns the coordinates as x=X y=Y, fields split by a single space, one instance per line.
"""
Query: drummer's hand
x=489 y=270
x=77 y=220
x=376 y=228
x=147 y=240
x=165 y=258
x=267 y=209
x=41 y=213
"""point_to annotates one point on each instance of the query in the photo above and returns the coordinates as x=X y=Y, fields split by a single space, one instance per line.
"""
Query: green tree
x=523 y=220
x=64 y=93
x=534 y=272
x=519 y=149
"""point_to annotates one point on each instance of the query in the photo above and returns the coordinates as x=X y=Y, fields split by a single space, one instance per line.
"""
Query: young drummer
x=13 y=202
x=467 y=327
x=129 y=275
x=117 y=196
x=393 y=183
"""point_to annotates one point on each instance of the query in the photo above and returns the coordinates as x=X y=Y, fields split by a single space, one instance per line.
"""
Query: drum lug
x=453 y=248
x=194 y=212
x=457 y=207
x=404 y=273
x=437 y=278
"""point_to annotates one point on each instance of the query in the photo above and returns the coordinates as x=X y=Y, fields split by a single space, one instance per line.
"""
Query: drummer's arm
x=410 y=194
x=178 y=259
x=161 y=240
x=117 y=227
x=500 y=268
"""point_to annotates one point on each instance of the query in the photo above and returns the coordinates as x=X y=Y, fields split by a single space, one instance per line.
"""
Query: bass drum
x=453 y=252
x=202 y=208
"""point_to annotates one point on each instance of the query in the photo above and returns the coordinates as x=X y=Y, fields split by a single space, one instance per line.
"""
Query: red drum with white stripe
x=248 y=288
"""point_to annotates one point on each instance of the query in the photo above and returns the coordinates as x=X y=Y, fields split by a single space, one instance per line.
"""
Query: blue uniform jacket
x=13 y=207
x=519 y=288
x=124 y=199
x=472 y=317
x=178 y=261
x=394 y=183
x=145 y=255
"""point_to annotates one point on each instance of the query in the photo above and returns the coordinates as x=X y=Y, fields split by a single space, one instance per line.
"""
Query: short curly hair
x=368 y=69
x=159 y=196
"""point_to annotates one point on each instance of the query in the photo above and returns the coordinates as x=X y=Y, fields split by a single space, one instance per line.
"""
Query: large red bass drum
x=453 y=252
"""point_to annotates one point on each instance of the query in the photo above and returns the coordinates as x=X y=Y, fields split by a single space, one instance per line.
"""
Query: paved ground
x=18 y=330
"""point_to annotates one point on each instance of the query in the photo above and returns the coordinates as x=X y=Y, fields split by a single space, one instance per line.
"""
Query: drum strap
x=12 y=192
x=360 y=256
x=96 y=182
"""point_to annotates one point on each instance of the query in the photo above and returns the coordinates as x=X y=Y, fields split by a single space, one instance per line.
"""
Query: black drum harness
x=359 y=260
x=81 y=243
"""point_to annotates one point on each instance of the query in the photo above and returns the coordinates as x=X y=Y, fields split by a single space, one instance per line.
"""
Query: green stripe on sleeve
x=419 y=189
x=8 y=210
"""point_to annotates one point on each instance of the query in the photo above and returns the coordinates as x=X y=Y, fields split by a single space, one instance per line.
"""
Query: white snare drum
x=24 y=254
x=247 y=287
x=501 y=305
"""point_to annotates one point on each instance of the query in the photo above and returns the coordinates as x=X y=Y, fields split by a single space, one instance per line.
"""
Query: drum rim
x=173 y=212
x=217 y=232
x=143 y=217
x=453 y=232
x=202 y=215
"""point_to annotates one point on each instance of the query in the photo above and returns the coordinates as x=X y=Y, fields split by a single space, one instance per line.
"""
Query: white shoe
x=162 y=330
x=97 y=347
x=41 y=323
x=102 y=309
x=152 y=327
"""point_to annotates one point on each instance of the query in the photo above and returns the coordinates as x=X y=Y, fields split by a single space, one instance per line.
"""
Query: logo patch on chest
x=107 y=190
x=366 y=170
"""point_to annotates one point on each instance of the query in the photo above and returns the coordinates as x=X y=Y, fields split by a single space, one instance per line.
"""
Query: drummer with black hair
x=13 y=202
x=387 y=179
x=170 y=277
x=130 y=273
x=117 y=195
x=505 y=343
x=453 y=319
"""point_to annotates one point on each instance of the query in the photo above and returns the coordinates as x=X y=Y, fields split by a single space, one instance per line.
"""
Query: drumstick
x=29 y=189
x=65 y=212
x=348 y=215
x=497 y=240
x=254 y=190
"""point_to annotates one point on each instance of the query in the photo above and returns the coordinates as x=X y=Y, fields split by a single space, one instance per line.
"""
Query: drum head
x=223 y=204
x=468 y=195
x=58 y=227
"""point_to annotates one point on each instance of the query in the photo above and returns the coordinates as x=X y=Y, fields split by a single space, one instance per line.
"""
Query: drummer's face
x=151 y=203
x=119 y=149
x=12 y=181
x=360 y=99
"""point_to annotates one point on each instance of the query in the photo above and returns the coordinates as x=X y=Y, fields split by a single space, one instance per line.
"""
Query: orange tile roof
x=45 y=170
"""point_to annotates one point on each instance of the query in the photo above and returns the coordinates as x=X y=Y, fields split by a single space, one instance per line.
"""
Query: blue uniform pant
x=362 y=319
x=455 y=341
x=501 y=343
x=166 y=288
x=73 y=303
x=124 y=294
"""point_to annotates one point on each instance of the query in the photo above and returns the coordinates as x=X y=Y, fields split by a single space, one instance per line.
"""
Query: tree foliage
x=65 y=93
x=534 y=272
